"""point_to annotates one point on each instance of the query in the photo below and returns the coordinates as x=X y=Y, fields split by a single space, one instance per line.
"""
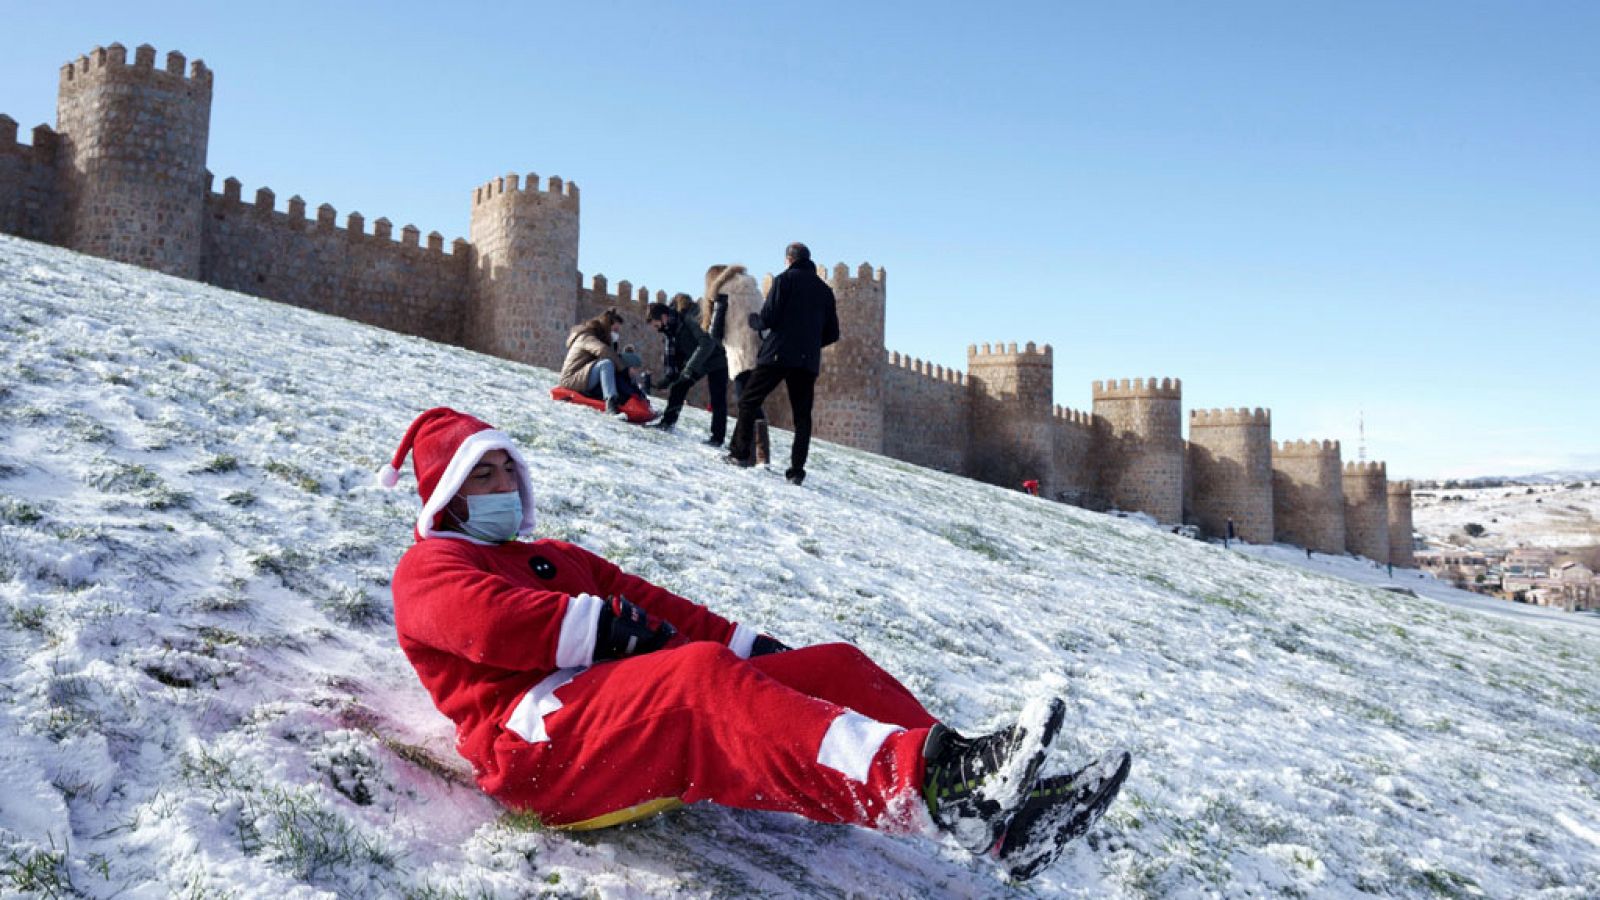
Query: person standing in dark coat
x=799 y=318
x=702 y=358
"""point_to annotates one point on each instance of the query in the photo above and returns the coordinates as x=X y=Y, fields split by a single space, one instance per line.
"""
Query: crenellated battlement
x=1138 y=388
x=1399 y=489
x=1221 y=418
x=1358 y=469
x=564 y=193
x=294 y=218
x=1305 y=448
x=626 y=298
x=111 y=63
x=927 y=369
x=1067 y=416
x=991 y=354
x=43 y=149
x=841 y=273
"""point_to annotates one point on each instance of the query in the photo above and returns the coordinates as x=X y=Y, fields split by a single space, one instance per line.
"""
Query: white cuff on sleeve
x=743 y=639
x=579 y=628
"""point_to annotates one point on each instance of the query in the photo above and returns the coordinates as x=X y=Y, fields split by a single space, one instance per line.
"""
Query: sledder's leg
x=841 y=674
x=699 y=723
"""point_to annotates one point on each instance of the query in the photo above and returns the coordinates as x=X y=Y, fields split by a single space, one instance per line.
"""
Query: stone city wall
x=405 y=285
x=30 y=204
x=123 y=176
x=1230 y=470
x=1308 y=495
x=1072 y=471
x=1139 y=449
x=849 y=405
x=1366 y=510
x=1402 y=550
x=926 y=414
x=133 y=157
x=1012 y=437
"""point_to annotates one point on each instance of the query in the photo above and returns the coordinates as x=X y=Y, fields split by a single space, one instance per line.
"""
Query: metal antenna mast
x=1361 y=429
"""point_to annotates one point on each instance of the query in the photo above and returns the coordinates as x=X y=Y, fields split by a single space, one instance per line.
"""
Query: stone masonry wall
x=30 y=206
x=1012 y=434
x=400 y=285
x=926 y=414
x=133 y=157
x=1072 y=473
x=1366 y=510
x=849 y=401
x=524 y=270
x=1139 y=447
x=1308 y=495
x=1230 y=471
x=1402 y=551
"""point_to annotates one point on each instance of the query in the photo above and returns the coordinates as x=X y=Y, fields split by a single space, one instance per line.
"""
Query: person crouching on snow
x=590 y=696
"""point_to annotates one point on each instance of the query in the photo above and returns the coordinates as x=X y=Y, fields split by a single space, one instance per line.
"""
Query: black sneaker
x=732 y=460
x=713 y=442
x=796 y=480
x=1058 y=811
x=973 y=785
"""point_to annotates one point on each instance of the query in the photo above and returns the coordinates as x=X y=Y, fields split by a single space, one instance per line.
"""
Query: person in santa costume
x=589 y=696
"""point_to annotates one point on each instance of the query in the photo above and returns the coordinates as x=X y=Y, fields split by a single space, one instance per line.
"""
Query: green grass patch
x=294 y=475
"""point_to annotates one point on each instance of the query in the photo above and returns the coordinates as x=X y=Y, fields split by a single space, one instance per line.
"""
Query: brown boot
x=763 y=443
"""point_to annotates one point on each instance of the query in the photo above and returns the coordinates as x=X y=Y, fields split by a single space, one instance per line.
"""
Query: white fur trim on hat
x=455 y=475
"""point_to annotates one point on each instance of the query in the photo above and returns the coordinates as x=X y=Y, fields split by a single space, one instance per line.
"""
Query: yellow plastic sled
x=623 y=816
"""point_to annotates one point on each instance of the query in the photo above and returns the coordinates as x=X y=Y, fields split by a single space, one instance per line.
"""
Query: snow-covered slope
x=203 y=696
x=1555 y=515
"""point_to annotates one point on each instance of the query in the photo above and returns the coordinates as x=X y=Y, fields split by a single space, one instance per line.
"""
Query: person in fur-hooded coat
x=728 y=322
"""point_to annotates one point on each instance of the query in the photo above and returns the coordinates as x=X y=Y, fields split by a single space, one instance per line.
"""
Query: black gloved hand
x=625 y=630
x=764 y=645
x=755 y=321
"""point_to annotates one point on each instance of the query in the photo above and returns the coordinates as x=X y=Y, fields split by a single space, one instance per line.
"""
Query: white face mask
x=616 y=336
x=494 y=518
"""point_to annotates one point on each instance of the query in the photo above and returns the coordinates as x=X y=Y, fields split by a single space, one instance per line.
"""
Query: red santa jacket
x=482 y=624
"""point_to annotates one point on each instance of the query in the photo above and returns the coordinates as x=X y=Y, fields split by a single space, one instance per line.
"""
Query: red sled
x=637 y=408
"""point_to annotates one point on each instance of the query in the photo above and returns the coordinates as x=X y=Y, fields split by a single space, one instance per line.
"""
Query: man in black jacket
x=702 y=357
x=799 y=318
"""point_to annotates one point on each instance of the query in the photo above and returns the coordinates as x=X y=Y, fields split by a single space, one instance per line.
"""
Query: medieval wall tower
x=1401 y=550
x=524 y=269
x=1230 y=469
x=1012 y=424
x=1366 y=510
x=1308 y=495
x=850 y=392
x=1139 y=445
x=132 y=159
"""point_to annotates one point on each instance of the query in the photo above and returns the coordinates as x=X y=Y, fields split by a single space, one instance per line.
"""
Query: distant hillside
x=204 y=698
x=1553 y=515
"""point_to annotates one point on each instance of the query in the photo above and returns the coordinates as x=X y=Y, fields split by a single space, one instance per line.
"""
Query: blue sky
x=1325 y=209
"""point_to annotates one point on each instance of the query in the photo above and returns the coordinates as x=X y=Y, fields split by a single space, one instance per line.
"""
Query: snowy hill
x=203 y=696
x=1554 y=515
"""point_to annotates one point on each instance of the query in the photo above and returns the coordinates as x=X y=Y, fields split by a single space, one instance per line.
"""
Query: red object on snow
x=1031 y=486
x=637 y=408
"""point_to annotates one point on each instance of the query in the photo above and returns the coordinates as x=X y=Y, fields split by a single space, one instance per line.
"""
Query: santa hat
x=444 y=446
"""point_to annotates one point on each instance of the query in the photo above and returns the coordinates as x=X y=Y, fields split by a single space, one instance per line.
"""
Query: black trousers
x=764 y=380
x=739 y=382
x=717 y=384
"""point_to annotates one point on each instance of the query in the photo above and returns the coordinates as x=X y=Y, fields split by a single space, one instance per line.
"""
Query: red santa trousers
x=819 y=731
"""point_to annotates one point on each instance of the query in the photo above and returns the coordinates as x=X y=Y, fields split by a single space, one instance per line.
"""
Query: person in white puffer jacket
x=728 y=322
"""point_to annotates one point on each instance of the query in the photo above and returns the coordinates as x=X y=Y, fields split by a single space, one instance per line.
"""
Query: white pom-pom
x=388 y=476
